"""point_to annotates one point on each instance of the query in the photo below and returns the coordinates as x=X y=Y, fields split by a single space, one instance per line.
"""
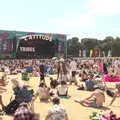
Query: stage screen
x=61 y=47
x=6 y=46
x=35 y=48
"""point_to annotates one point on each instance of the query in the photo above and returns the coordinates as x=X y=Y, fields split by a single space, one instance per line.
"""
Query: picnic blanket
x=108 y=78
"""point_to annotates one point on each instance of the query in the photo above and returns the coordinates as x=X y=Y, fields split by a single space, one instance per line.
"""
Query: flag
x=96 y=52
x=84 y=53
x=99 y=53
x=103 y=53
x=91 y=52
x=80 y=53
x=109 y=53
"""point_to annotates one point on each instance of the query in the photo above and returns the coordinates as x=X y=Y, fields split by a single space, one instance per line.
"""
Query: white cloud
x=78 y=23
x=103 y=7
x=84 y=24
x=72 y=23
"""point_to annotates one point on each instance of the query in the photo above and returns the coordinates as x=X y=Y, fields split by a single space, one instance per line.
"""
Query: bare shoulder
x=98 y=91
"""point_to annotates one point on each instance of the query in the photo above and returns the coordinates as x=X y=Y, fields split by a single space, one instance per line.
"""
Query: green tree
x=73 y=46
x=89 y=43
x=116 y=47
x=109 y=43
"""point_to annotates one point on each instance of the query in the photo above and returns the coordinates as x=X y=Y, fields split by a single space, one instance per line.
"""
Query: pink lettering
x=4 y=35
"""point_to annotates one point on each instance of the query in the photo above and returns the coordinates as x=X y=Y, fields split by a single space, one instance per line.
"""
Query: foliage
x=109 y=43
x=73 y=46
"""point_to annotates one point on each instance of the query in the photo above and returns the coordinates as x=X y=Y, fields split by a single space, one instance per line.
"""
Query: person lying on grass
x=116 y=94
x=96 y=99
x=3 y=84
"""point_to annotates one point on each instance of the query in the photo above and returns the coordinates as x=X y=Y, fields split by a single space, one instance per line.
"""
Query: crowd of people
x=84 y=73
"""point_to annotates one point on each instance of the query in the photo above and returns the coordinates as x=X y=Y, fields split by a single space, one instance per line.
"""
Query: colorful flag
x=99 y=53
x=96 y=52
x=91 y=52
x=80 y=53
x=103 y=53
x=109 y=53
x=84 y=53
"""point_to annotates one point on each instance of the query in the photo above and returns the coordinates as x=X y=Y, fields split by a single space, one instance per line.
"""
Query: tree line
x=74 y=45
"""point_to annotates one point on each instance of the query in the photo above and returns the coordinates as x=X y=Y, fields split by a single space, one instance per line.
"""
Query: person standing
x=42 y=71
x=62 y=71
x=73 y=67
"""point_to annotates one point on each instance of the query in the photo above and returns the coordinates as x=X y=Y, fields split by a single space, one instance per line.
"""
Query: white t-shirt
x=7 y=70
x=73 y=66
x=57 y=113
x=62 y=90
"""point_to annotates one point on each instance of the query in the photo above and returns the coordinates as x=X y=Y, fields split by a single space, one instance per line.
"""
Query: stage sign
x=37 y=36
x=6 y=46
x=27 y=49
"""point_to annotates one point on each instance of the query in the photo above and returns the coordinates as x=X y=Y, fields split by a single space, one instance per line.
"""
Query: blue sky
x=81 y=18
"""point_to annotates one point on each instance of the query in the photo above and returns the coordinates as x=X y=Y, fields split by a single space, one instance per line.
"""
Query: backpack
x=23 y=94
x=89 y=85
x=25 y=76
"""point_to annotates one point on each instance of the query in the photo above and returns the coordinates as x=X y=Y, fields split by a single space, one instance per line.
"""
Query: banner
x=103 y=54
x=96 y=52
x=80 y=53
x=99 y=53
x=6 y=46
x=108 y=78
x=109 y=53
x=84 y=52
x=91 y=53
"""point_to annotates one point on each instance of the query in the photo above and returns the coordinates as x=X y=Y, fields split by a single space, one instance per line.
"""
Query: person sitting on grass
x=24 y=113
x=90 y=83
x=116 y=93
x=62 y=89
x=1 y=103
x=53 y=83
x=57 y=112
x=22 y=93
x=42 y=92
x=2 y=89
x=96 y=99
x=3 y=80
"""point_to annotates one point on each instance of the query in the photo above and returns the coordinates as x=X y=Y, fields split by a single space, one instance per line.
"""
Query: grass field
x=75 y=110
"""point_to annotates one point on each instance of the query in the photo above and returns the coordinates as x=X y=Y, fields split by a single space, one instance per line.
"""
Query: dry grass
x=74 y=110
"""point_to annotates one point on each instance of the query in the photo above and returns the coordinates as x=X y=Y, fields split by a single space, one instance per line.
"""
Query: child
x=53 y=83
